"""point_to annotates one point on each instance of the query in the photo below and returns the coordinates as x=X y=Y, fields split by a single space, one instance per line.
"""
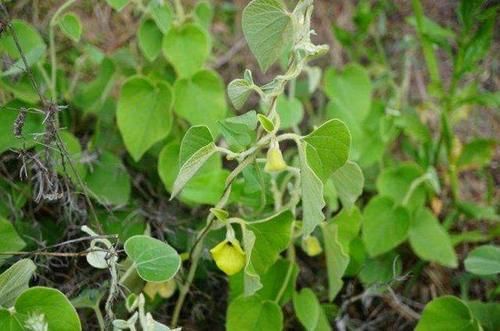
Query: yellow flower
x=229 y=256
x=311 y=246
x=164 y=289
x=275 y=162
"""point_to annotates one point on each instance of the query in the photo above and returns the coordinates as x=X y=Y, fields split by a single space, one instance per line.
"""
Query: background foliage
x=224 y=164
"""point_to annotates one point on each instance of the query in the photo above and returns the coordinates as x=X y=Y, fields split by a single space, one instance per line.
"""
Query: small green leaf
x=272 y=282
x=90 y=96
x=117 y=5
x=196 y=148
x=204 y=13
x=71 y=26
x=221 y=214
x=483 y=260
x=32 y=125
x=328 y=148
x=15 y=281
x=487 y=313
x=149 y=38
x=351 y=90
x=430 y=241
x=312 y=194
x=385 y=225
x=348 y=181
x=476 y=154
x=266 y=123
x=143 y=114
x=9 y=239
x=268 y=29
x=251 y=313
x=239 y=131
x=238 y=91
x=187 y=47
x=209 y=104
x=205 y=187
x=337 y=259
x=162 y=14
x=46 y=305
x=272 y=236
x=395 y=182
x=307 y=308
x=108 y=181
x=447 y=313
x=291 y=112
x=154 y=260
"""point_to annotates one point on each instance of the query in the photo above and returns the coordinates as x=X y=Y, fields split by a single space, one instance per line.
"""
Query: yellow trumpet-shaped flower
x=275 y=161
x=229 y=256
x=311 y=246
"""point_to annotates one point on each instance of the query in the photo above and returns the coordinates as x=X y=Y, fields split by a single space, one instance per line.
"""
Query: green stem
x=429 y=55
x=291 y=259
x=100 y=319
x=179 y=9
x=52 y=48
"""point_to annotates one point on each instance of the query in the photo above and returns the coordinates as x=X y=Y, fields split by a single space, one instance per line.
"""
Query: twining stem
x=52 y=48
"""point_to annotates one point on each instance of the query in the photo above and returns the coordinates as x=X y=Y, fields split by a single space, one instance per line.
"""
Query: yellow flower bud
x=163 y=289
x=275 y=162
x=311 y=246
x=229 y=256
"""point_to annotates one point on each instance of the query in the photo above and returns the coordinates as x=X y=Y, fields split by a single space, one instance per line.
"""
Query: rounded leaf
x=154 y=260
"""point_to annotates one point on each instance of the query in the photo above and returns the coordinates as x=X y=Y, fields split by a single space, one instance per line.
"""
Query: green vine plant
x=253 y=141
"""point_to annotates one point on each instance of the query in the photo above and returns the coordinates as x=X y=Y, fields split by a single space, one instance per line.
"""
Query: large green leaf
x=348 y=181
x=187 y=48
x=196 y=148
x=337 y=259
x=328 y=148
x=483 y=260
x=41 y=306
x=429 y=239
x=268 y=29
x=385 y=225
x=108 y=180
x=200 y=99
x=149 y=39
x=154 y=260
x=252 y=313
x=447 y=313
x=9 y=239
x=143 y=114
x=15 y=281
x=312 y=194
